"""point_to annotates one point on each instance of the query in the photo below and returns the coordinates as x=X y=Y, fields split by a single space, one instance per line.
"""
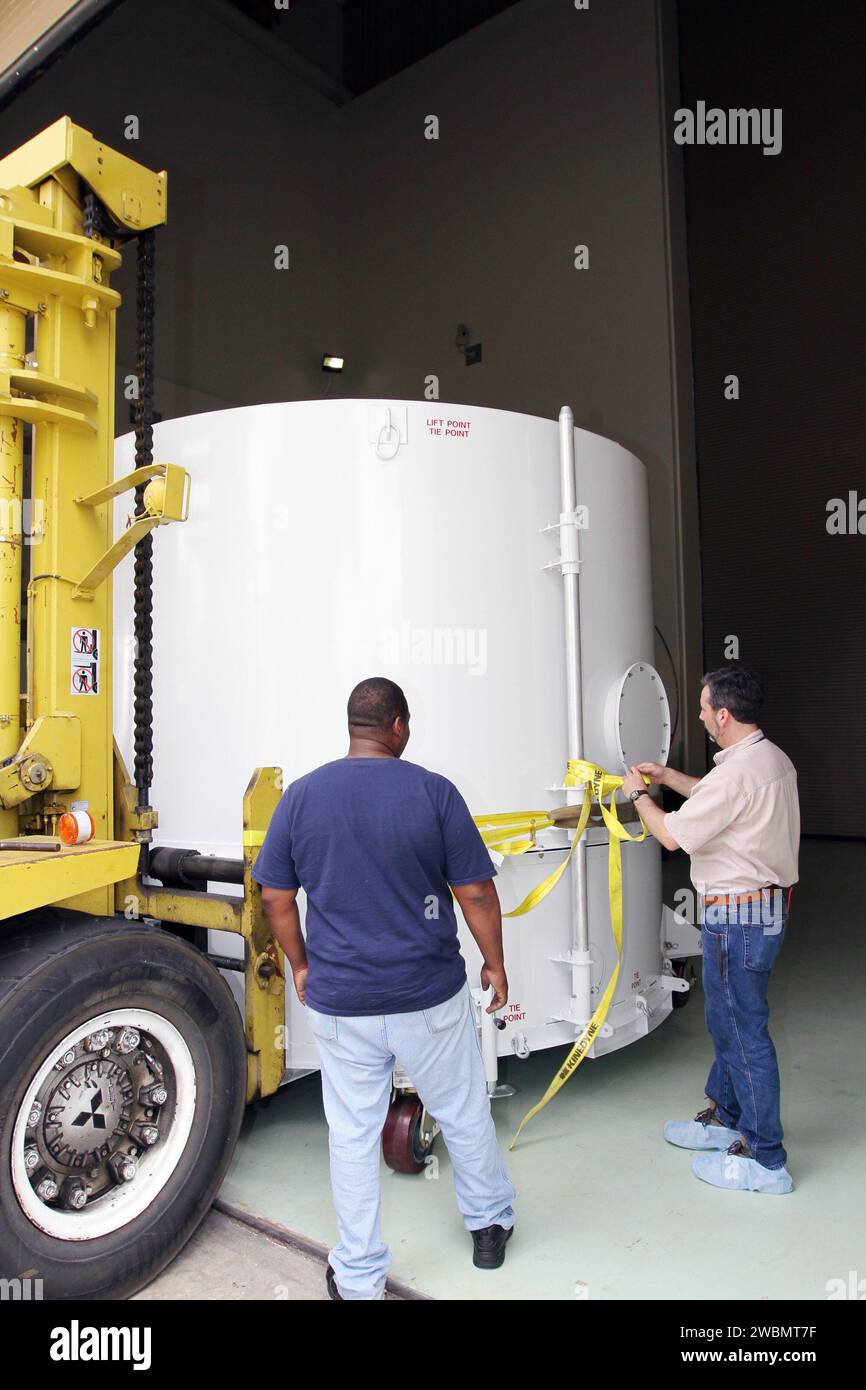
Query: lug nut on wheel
x=123 y=1167
x=153 y=1095
x=75 y=1195
x=145 y=1134
x=47 y=1187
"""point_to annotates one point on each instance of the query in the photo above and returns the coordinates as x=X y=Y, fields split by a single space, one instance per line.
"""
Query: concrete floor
x=227 y=1260
x=230 y=1260
x=606 y=1209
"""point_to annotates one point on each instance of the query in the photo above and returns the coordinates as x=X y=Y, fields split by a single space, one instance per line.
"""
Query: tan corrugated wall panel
x=22 y=22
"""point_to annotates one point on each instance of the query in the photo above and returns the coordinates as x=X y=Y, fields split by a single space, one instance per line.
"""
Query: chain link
x=143 y=567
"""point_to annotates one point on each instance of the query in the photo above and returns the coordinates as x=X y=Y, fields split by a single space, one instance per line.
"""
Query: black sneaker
x=331 y=1281
x=489 y=1246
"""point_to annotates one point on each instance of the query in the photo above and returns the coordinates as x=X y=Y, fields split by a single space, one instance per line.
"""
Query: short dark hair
x=737 y=689
x=375 y=703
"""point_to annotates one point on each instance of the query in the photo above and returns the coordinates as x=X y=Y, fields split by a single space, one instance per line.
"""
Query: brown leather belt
x=729 y=899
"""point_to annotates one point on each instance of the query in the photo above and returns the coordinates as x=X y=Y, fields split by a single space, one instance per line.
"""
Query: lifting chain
x=94 y=225
x=143 y=569
x=98 y=224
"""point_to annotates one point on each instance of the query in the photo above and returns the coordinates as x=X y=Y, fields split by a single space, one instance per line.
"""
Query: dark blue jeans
x=740 y=945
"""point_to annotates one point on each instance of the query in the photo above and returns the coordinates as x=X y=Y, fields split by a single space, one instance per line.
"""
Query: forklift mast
x=67 y=205
x=67 y=202
x=126 y=1059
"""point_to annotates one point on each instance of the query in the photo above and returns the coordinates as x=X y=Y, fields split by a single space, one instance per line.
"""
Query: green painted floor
x=605 y=1208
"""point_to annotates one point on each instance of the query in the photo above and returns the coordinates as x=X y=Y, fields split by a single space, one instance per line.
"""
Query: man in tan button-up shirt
x=741 y=826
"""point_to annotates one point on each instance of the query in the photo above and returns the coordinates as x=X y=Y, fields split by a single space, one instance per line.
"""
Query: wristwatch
x=642 y=791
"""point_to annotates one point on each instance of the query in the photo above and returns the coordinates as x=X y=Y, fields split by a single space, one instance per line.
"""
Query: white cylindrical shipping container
x=328 y=541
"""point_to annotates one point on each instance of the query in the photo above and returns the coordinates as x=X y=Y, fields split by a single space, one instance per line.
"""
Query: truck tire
x=122 y=1090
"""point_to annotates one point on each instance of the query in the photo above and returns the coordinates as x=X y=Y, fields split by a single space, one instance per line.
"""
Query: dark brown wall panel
x=777 y=286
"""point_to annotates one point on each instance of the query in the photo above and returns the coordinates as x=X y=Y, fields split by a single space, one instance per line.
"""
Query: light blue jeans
x=439 y=1050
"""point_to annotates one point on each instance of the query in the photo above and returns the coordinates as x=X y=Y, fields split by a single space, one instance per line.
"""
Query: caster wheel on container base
x=408 y=1136
x=685 y=970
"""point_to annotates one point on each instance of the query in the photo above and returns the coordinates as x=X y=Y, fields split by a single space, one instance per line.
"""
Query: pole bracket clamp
x=568 y=526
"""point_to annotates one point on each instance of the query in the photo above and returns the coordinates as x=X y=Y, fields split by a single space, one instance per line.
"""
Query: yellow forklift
x=125 y=1064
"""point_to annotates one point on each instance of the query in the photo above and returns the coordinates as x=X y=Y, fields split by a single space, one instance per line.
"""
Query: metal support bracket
x=605 y=1031
x=50 y=756
x=136 y=196
x=568 y=526
x=166 y=498
x=679 y=938
x=133 y=822
x=673 y=984
x=265 y=973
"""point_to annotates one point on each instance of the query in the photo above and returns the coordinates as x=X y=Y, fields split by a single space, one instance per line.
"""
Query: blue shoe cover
x=692 y=1134
x=742 y=1174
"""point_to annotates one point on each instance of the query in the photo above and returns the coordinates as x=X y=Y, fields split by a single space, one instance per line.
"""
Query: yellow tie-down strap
x=511 y=833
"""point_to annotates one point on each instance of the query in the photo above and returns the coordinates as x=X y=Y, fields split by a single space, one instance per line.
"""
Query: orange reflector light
x=76 y=827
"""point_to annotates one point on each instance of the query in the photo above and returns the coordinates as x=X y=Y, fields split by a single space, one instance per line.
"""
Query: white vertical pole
x=487 y=1031
x=570 y=559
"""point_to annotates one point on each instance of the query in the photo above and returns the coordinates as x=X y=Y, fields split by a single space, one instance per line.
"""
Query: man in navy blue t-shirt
x=377 y=844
